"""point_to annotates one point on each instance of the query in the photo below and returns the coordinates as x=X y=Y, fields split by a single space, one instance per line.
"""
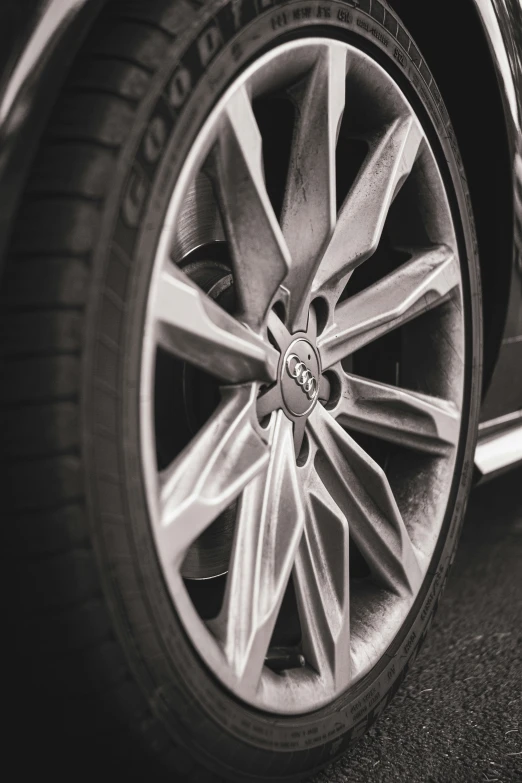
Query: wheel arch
x=469 y=77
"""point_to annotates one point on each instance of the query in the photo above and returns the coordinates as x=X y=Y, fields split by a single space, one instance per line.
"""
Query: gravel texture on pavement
x=458 y=716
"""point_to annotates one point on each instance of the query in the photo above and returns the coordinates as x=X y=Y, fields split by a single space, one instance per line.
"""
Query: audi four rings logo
x=302 y=375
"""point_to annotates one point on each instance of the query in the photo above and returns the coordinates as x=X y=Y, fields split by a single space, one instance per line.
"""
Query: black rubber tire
x=97 y=639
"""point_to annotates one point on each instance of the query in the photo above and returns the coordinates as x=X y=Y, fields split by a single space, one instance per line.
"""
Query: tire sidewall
x=181 y=691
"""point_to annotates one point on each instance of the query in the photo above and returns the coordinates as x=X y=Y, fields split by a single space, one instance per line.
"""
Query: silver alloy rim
x=283 y=446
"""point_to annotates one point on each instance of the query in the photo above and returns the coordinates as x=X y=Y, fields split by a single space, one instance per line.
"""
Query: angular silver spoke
x=417 y=421
x=193 y=327
x=363 y=214
x=210 y=472
x=321 y=578
x=269 y=401
x=269 y=528
x=362 y=491
x=309 y=210
x=260 y=256
x=299 y=433
x=278 y=330
x=416 y=287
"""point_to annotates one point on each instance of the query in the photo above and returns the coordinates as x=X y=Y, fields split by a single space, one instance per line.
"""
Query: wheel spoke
x=210 y=473
x=279 y=332
x=363 y=214
x=416 y=287
x=309 y=210
x=417 y=421
x=193 y=327
x=269 y=528
x=321 y=579
x=362 y=491
x=259 y=252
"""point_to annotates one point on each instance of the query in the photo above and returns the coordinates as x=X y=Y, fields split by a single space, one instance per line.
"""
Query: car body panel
x=42 y=40
x=502 y=21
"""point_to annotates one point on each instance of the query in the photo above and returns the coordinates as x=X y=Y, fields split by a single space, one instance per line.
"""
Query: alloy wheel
x=305 y=337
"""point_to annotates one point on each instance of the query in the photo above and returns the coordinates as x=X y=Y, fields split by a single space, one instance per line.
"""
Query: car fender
x=502 y=22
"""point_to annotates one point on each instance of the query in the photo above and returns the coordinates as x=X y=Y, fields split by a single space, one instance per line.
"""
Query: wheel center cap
x=300 y=377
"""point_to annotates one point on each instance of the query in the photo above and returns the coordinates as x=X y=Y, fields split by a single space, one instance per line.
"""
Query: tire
x=97 y=628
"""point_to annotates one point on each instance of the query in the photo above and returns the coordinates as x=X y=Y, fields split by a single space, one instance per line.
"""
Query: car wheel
x=242 y=344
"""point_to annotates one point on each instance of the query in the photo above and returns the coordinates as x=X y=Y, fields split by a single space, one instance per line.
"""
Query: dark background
x=458 y=716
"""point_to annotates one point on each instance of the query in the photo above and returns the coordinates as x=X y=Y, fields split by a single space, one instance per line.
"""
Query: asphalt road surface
x=458 y=716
